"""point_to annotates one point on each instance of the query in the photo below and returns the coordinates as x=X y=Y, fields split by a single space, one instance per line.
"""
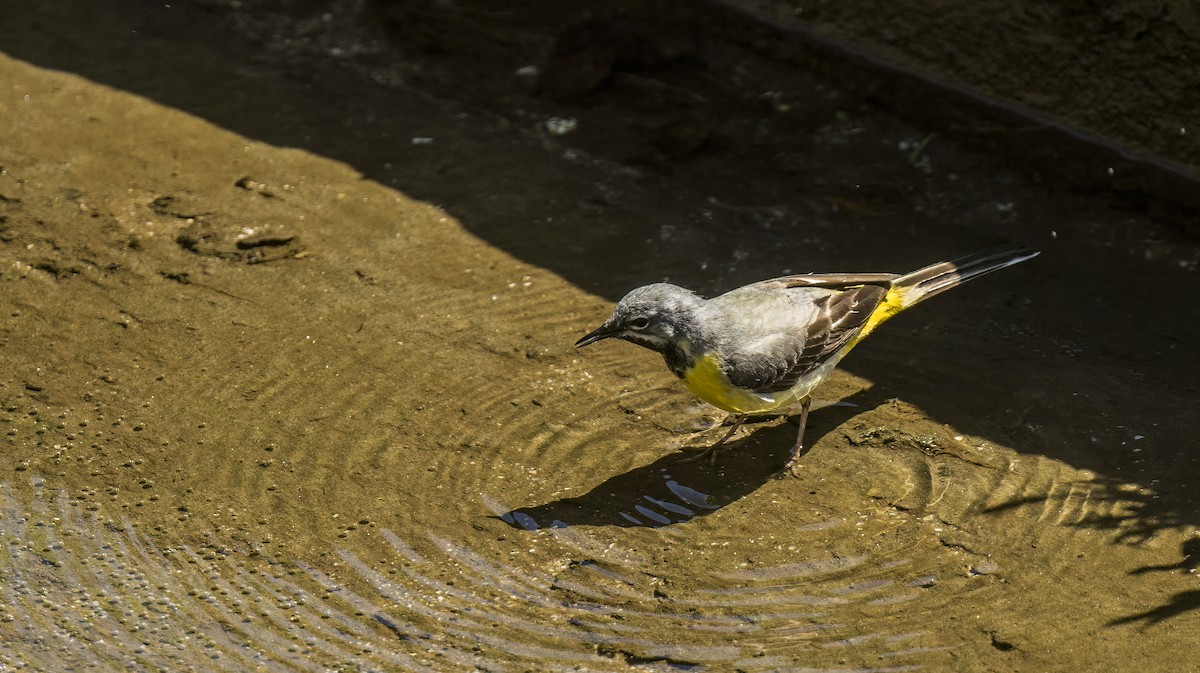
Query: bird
x=768 y=345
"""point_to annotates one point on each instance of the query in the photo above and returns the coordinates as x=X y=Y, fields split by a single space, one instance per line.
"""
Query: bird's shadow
x=674 y=489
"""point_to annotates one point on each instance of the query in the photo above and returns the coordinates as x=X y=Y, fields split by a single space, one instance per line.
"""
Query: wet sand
x=289 y=303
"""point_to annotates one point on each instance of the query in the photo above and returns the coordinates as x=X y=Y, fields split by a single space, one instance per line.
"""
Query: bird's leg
x=737 y=423
x=798 y=448
x=712 y=450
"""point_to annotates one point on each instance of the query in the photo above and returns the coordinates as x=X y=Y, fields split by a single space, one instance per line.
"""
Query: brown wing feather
x=841 y=316
x=837 y=281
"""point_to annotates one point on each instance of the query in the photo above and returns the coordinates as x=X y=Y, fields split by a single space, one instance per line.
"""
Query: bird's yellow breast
x=706 y=381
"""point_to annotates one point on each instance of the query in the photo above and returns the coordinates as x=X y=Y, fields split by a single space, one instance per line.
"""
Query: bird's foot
x=710 y=453
x=792 y=469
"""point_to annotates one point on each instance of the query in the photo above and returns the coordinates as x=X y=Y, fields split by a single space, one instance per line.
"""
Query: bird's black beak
x=600 y=333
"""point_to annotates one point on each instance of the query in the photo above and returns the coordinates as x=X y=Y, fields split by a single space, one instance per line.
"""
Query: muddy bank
x=1121 y=72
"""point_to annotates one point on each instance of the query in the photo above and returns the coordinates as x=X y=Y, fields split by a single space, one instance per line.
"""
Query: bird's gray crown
x=657 y=299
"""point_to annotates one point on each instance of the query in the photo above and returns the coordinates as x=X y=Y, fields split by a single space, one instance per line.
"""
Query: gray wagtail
x=768 y=345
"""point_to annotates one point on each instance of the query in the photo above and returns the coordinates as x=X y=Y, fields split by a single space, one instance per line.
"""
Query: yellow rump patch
x=892 y=304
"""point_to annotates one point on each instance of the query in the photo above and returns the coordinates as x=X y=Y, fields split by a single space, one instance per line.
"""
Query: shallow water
x=284 y=390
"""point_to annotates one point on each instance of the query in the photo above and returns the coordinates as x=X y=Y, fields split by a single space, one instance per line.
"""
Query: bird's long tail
x=937 y=278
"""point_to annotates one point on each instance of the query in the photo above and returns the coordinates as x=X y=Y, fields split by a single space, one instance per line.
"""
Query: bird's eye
x=639 y=323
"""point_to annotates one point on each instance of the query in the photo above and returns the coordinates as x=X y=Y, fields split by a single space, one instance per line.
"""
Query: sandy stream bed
x=289 y=297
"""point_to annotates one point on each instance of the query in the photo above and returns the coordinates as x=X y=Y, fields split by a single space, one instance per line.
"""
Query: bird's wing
x=836 y=281
x=776 y=363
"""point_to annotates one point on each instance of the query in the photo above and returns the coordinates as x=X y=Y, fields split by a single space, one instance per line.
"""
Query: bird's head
x=656 y=316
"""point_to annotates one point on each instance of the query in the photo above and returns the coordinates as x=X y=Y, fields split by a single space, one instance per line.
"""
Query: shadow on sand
x=675 y=488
